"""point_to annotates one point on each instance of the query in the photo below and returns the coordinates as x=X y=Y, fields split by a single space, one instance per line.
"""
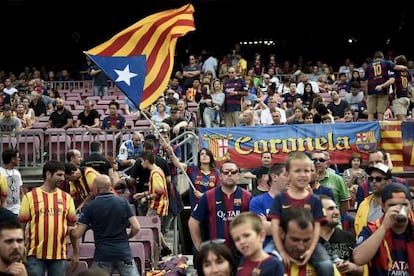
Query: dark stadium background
x=55 y=33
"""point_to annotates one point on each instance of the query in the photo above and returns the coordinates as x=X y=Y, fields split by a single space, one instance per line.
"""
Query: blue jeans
x=124 y=268
x=40 y=266
x=100 y=88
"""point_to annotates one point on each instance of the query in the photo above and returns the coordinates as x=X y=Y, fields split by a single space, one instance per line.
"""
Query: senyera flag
x=140 y=59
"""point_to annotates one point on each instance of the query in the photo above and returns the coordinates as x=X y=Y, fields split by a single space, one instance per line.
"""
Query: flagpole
x=172 y=152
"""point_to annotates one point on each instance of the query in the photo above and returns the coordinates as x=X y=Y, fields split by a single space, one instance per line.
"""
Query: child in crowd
x=298 y=167
x=248 y=235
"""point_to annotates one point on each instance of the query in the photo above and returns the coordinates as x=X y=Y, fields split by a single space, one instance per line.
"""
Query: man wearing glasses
x=331 y=180
x=218 y=207
x=371 y=207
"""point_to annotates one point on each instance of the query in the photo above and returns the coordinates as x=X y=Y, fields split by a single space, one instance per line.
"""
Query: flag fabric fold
x=139 y=60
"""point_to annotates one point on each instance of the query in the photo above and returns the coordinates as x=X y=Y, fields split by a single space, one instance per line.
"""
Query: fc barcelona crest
x=366 y=141
x=219 y=146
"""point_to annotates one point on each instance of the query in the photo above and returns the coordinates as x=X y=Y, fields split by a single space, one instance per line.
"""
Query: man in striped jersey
x=48 y=211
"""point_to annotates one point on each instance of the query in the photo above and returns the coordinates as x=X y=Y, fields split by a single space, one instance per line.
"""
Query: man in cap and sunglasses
x=370 y=209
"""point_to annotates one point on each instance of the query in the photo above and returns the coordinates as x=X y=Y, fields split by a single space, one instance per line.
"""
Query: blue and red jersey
x=217 y=210
x=377 y=73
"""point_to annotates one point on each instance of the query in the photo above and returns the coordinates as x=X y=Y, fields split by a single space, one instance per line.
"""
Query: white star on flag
x=125 y=75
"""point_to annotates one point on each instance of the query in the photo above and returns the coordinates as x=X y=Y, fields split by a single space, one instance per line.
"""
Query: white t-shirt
x=14 y=183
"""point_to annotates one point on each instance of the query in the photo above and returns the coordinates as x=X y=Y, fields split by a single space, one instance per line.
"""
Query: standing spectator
x=261 y=204
x=138 y=177
x=386 y=244
x=402 y=89
x=156 y=196
x=371 y=208
x=203 y=174
x=191 y=72
x=234 y=90
x=11 y=160
x=211 y=64
x=248 y=234
x=112 y=250
x=266 y=160
x=97 y=161
x=3 y=190
x=378 y=80
x=376 y=157
x=12 y=249
x=85 y=69
x=298 y=168
x=89 y=117
x=74 y=156
x=61 y=117
x=218 y=207
x=331 y=180
x=100 y=81
x=338 y=242
x=48 y=211
x=354 y=175
x=114 y=122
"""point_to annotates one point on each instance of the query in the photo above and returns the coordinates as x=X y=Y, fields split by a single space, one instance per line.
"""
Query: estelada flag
x=139 y=60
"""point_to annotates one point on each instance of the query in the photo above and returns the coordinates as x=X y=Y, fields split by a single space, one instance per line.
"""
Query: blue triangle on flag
x=127 y=73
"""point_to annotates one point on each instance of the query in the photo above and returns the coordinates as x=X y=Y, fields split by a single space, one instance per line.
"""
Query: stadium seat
x=146 y=237
x=29 y=143
x=153 y=223
x=7 y=142
x=74 y=271
x=57 y=142
x=138 y=252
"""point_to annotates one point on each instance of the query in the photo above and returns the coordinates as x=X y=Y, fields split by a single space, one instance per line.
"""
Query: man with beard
x=61 y=117
x=11 y=249
x=339 y=243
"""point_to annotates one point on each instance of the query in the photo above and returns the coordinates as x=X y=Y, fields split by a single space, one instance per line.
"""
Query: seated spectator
x=61 y=118
x=20 y=114
x=37 y=104
x=89 y=117
x=9 y=123
x=130 y=151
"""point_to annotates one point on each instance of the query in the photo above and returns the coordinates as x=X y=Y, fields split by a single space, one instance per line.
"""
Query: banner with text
x=244 y=145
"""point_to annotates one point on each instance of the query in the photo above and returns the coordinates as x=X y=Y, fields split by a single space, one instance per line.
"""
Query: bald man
x=130 y=150
x=109 y=216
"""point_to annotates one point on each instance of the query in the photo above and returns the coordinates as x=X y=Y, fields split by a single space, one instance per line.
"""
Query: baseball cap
x=394 y=190
x=382 y=168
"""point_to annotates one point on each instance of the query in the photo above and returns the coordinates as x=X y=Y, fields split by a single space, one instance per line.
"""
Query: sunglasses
x=229 y=172
x=319 y=160
x=377 y=178
x=215 y=241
